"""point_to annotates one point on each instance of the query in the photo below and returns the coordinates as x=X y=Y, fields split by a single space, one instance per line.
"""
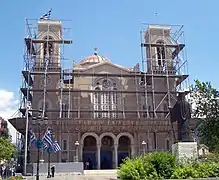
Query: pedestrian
x=3 y=171
x=53 y=170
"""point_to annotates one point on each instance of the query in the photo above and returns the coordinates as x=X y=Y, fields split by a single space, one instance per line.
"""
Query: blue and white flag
x=48 y=137
x=56 y=147
x=46 y=16
x=32 y=137
x=164 y=67
x=45 y=147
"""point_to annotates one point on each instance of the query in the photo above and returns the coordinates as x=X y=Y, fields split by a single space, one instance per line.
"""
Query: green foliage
x=7 y=149
x=163 y=162
x=162 y=165
x=184 y=172
x=210 y=158
x=15 y=178
x=196 y=170
x=204 y=96
x=157 y=165
x=136 y=169
x=5 y=132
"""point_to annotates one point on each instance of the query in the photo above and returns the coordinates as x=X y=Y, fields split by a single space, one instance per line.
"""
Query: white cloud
x=8 y=106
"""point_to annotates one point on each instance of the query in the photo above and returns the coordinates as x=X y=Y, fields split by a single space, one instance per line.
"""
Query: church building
x=100 y=112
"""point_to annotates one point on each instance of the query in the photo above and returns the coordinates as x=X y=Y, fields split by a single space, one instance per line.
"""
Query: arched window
x=149 y=110
x=96 y=102
x=105 y=103
x=64 y=110
x=104 y=100
x=144 y=111
x=114 y=103
x=41 y=106
x=168 y=144
x=48 y=48
x=161 y=55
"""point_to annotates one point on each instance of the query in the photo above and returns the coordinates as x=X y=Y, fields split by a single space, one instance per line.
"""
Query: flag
x=56 y=147
x=45 y=147
x=32 y=137
x=46 y=16
x=164 y=67
x=48 y=137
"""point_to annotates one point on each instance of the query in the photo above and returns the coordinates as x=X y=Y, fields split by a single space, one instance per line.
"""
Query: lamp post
x=144 y=146
x=76 y=145
x=39 y=120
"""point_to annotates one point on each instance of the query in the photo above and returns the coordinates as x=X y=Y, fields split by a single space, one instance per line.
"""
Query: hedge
x=162 y=165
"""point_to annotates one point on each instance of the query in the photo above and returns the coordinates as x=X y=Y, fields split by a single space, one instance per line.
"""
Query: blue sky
x=114 y=27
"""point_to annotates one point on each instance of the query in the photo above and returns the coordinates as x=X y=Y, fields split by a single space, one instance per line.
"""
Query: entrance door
x=121 y=157
x=89 y=157
x=106 y=160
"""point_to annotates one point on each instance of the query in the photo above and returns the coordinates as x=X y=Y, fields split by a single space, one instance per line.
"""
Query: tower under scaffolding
x=95 y=98
x=164 y=65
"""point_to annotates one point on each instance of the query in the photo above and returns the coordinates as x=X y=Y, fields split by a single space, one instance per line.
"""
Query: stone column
x=98 y=156
x=68 y=146
x=116 y=155
x=132 y=150
x=80 y=154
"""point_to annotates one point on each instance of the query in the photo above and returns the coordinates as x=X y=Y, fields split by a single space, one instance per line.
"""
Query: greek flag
x=164 y=67
x=32 y=137
x=46 y=16
x=48 y=137
x=56 y=147
x=45 y=147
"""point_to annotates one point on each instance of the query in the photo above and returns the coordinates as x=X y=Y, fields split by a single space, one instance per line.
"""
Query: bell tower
x=162 y=63
x=47 y=66
x=50 y=35
x=159 y=49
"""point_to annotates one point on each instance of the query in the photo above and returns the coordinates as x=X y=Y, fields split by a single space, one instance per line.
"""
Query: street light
x=144 y=146
x=39 y=120
x=76 y=145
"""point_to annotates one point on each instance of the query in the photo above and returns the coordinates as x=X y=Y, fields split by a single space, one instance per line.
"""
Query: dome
x=94 y=59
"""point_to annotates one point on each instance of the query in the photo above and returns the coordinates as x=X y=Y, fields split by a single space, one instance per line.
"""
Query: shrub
x=196 y=170
x=14 y=178
x=136 y=169
x=164 y=163
x=210 y=158
x=156 y=165
x=185 y=172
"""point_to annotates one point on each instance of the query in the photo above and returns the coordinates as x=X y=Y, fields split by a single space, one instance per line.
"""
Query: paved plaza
x=78 y=177
x=88 y=175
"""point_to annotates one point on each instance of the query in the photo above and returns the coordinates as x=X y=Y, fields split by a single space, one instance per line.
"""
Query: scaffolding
x=96 y=89
x=163 y=54
x=43 y=58
x=152 y=91
x=44 y=53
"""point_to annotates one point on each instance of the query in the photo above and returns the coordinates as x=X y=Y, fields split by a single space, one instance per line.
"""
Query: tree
x=5 y=131
x=7 y=149
x=204 y=98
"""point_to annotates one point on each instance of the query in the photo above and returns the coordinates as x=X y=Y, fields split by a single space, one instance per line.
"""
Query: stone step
x=101 y=172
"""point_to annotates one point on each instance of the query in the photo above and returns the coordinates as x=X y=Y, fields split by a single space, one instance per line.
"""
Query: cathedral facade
x=100 y=112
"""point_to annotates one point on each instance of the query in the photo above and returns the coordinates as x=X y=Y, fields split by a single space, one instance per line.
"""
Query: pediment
x=106 y=67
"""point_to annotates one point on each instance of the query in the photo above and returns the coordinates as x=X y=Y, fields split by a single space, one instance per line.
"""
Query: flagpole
x=26 y=141
x=49 y=153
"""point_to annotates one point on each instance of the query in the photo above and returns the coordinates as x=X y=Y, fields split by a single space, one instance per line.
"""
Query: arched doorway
x=89 y=152
x=124 y=148
x=106 y=153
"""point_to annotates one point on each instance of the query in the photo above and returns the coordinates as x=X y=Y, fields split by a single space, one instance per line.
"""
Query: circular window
x=48 y=81
x=106 y=83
